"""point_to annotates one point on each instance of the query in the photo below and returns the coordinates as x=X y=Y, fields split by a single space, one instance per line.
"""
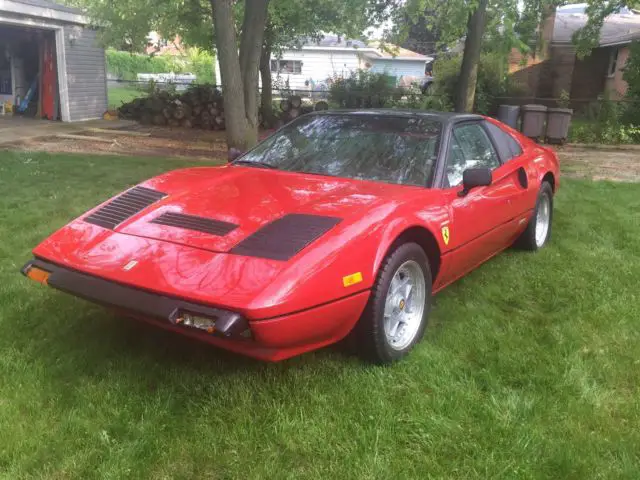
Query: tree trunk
x=230 y=76
x=466 y=90
x=266 y=97
x=255 y=19
x=239 y=70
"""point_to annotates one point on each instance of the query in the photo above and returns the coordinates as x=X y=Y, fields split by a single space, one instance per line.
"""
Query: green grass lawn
x=119 y=95
x=530 y=367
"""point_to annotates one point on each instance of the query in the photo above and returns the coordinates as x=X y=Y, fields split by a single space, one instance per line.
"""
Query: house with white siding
x=51 y=64
x=315 y=63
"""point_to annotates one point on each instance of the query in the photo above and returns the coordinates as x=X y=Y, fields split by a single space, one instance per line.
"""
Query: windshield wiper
x=255 y=164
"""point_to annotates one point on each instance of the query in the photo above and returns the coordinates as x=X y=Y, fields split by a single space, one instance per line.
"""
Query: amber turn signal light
x=38 y=275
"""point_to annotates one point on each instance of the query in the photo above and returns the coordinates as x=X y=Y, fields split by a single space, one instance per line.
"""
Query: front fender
x=432 y=228
x=324 y=272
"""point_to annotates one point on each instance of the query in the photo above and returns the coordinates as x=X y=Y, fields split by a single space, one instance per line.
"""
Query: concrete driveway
x=17 y=129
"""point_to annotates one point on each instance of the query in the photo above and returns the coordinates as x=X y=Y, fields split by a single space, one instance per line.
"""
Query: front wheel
x=396 y=316
x=538 y=230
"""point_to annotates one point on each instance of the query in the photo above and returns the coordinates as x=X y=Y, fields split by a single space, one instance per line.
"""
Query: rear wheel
x=538 y=231
x=396 y=316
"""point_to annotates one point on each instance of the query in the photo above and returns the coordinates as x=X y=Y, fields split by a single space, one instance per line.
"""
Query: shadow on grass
x=99 y=342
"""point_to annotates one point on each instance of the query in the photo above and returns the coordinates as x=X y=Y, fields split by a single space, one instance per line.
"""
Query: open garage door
x=28 y=72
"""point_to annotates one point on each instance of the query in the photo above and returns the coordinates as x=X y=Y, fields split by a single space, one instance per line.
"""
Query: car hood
x=207 y=268
x=249 y=198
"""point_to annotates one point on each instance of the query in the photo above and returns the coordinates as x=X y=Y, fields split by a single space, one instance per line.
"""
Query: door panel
x=465 y=258
x=481 y=221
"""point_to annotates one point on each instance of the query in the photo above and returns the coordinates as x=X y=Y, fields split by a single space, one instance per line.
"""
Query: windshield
x=386 y=148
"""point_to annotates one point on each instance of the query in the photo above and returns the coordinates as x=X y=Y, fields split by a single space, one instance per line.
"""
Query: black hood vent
x=124 y=206
x=286 y=236
x=192 y=222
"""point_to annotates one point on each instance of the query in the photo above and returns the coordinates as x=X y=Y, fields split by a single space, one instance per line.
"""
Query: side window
x=470 y=148
x=507 y=146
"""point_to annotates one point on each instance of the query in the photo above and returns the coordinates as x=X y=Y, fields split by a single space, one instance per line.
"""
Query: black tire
x=368 y=337
x=527 y=240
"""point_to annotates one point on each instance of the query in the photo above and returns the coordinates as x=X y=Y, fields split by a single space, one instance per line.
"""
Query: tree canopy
x=484 y=25
x=129 y=22
x=291 y=20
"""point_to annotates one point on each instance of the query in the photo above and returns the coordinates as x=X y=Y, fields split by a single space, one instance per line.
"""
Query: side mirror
x=474 y=177
x=233 y=154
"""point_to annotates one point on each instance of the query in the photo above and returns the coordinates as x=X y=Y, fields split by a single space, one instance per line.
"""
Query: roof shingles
x=616 y=28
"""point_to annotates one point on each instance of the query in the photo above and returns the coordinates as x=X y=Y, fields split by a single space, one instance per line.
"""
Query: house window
x=613 y=63
x=286 y=66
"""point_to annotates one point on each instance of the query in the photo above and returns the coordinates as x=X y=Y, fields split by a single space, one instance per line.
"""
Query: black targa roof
x=444 y=117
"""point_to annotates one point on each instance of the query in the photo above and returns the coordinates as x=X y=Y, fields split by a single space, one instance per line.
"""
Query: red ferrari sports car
x=339 y=224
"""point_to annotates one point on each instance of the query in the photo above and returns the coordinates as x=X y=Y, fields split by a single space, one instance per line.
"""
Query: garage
x=51 y=64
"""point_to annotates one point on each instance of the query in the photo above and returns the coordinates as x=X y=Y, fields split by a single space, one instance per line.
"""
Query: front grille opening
x=193 y=222
x=285 y=237
x=124 y=206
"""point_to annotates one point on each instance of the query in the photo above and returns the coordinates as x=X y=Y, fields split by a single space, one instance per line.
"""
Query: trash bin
x=558 y=121
x=533 y=120
x=508 y=114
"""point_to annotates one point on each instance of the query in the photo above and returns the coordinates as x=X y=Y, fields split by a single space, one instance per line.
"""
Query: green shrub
x=608 y=134
x=565 y=99
x=492 y=79
x=364 y=89
x=415 y=99
x=201 y=65
x=604 y=124
x=127 y=66
x=446 y=70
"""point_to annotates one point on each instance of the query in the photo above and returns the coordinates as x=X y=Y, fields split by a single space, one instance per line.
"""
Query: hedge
x=126 y=66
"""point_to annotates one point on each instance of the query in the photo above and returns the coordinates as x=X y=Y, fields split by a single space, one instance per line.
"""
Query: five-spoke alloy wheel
x=396 y=315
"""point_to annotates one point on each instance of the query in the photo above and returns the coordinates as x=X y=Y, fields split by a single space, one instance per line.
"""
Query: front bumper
x=272 y=339
x=132 y=300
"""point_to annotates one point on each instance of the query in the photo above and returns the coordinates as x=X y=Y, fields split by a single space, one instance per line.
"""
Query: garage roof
x=50 y=5
x=43 y=9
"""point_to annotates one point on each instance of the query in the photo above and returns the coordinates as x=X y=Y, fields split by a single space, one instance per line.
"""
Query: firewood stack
x=201 y=106
x=293 y=107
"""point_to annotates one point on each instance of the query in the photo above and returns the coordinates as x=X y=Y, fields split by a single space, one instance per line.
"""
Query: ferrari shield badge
x=445 y=234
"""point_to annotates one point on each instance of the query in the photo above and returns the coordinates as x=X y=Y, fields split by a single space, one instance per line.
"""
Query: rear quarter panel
x=537 y=160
